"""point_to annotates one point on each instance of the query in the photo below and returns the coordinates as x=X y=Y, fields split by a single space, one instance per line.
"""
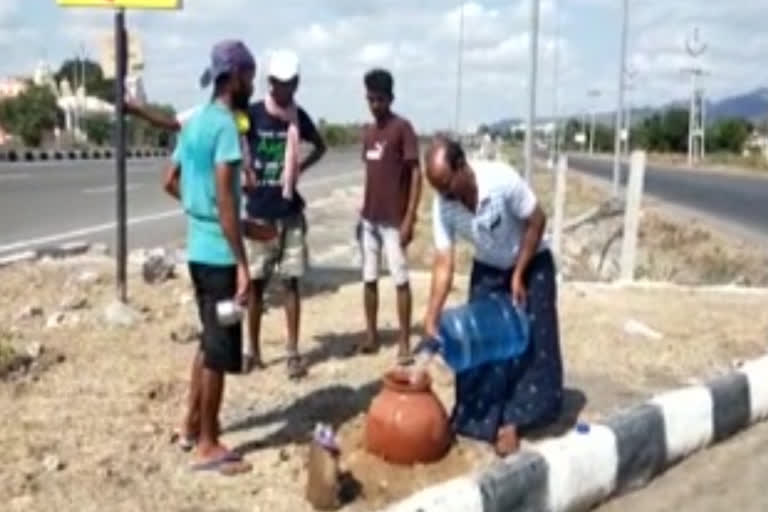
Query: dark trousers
x=526 y=391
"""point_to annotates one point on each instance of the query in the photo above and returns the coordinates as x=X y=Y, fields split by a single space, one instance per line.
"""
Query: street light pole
x=620 y=101
x=556 y=87
x=459 y=72
x=594 y=93
x=532 y=72
x=631 y=74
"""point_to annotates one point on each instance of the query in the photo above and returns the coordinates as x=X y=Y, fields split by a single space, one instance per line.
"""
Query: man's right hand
x=243 y=284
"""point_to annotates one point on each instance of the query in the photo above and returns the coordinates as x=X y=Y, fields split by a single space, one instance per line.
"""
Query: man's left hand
x=519 y=292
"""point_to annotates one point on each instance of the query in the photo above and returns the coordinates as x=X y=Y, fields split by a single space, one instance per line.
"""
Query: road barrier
x=30 y=155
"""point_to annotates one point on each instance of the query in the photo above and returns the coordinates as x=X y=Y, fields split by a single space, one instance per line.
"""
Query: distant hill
x=752 y=105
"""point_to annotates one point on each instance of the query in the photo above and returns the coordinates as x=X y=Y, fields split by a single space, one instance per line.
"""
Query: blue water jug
x=490 y=328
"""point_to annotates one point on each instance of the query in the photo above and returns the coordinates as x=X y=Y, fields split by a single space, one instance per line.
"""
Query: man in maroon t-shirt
x=392 y=190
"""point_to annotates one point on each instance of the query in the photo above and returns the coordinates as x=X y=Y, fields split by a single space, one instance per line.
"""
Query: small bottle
x=229 y=312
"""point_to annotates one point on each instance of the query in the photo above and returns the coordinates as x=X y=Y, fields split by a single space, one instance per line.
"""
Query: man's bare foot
x=507 y=441
x=252 y=362
x=220 y=459
x=404 y=356
x=370 y=346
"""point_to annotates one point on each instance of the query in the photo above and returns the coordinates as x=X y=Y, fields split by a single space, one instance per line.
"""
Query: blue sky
x=338 y=40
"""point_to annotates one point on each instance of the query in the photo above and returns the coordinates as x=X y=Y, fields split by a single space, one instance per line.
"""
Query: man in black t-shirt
x=277 y=125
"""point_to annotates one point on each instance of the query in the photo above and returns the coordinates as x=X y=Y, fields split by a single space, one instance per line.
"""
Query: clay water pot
x=407 y=423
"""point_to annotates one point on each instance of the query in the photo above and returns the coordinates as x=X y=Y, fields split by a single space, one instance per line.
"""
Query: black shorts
x=222 y=346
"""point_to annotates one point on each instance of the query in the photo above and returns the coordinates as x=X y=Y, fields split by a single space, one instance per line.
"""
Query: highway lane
x=739 y=200
x=49 y=203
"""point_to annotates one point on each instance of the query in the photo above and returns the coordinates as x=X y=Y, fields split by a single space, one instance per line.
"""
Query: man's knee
x=291 y=284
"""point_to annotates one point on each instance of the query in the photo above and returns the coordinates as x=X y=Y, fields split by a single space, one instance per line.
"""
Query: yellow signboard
x=125 y=4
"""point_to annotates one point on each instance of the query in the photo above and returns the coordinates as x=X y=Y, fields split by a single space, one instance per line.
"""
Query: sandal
x=296 y=368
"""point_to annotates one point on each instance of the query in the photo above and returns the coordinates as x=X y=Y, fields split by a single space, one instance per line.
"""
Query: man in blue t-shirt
x=205 y=177
x=277 y=126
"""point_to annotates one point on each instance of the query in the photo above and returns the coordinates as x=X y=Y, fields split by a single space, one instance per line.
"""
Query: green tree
x=98 y=128
x=31 y=114
x=729 y=135
x=95 y=83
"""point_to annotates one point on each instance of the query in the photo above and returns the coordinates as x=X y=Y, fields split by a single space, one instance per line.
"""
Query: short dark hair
x=454 y=153
x=380 y=81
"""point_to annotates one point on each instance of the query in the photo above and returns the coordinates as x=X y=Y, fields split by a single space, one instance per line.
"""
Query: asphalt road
x=51 y=203
x=738 y=200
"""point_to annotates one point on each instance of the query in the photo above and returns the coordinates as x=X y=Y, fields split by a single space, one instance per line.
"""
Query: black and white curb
x=580 y=470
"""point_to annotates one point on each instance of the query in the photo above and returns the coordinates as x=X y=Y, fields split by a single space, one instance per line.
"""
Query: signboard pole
x=121 y=68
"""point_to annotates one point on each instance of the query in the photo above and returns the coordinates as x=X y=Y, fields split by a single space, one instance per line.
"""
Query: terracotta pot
x=406 y=422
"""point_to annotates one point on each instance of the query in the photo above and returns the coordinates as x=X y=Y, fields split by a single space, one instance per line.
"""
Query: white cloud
x=338 y=40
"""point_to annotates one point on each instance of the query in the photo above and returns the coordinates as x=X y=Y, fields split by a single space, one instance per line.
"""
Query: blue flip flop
x=217 y=463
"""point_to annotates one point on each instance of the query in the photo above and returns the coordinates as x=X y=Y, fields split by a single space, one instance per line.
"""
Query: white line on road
x=90 y=230
x=111 y=188
x=86 y=231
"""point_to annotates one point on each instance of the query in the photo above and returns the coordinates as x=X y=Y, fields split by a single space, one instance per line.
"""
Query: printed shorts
x=286 y=255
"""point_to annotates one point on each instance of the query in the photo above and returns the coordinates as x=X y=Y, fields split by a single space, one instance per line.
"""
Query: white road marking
x=111 y=188
x=87 y=231
x=90 y=230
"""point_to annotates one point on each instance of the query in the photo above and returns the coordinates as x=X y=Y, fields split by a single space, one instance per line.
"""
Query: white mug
x=229 y=312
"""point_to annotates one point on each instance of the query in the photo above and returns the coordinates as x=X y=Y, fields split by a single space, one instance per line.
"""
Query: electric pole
x=556 y=87
x=620 y=101
x=594 y=94
x=532 y=71
x=630 y=86
x=459 y=72
x=695 y=48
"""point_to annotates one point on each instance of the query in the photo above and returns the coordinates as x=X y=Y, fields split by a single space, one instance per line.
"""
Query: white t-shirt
x=496 y=229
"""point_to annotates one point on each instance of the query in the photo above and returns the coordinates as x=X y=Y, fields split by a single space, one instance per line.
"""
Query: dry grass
x=106 y=412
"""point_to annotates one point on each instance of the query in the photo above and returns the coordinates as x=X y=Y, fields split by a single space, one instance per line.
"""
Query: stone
x=137 y=257
x=55 y=320
x=637 y=328
x=101 y=249
x=53 y=463
x=74 y=303
x=118 y=314
x=35 y=350
x=185 y=334
x=31 y=311
x=158 y=268
x=88 y=277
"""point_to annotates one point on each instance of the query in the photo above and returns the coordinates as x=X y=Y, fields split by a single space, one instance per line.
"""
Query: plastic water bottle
x=487 y=329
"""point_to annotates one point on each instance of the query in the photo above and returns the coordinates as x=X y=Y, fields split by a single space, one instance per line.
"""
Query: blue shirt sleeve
x=228 y=150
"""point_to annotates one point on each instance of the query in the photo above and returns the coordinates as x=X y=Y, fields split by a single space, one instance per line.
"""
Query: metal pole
x=620 y=102
x=703 y=108
x=692 y=120
x=593 y=93
x=121 y=58
x=532 y=71
x=459 y=71
x=556 y=86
